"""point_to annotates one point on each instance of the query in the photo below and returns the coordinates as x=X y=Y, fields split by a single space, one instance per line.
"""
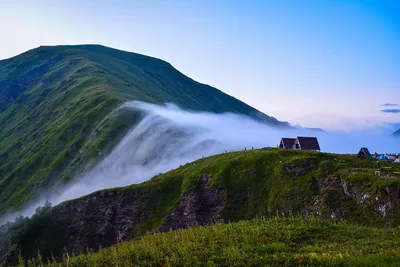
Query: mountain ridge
x=56 y=111
x=111 y=52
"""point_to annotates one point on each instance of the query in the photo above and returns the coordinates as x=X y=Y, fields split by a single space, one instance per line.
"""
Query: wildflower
x=119 y=236
x=175 y=235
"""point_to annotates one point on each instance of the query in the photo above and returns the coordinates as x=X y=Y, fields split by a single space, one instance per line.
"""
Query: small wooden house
x=287 y=143
x=364 y=153
x=306 y=143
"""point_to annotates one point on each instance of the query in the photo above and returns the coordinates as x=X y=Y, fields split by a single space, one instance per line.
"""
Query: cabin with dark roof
x=287 y=143
x=364 y=153
x=306 y=143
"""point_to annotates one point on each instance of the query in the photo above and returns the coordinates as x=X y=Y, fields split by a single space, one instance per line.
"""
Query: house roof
x=288 y=142
x=308 y=143
x=382 y=157
x=366 y=152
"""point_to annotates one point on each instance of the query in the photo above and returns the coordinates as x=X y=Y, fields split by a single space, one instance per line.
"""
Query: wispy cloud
x=391 y=110
x=390 y=105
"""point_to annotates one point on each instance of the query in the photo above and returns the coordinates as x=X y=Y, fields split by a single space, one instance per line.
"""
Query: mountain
x=56 y=108
x=315 y=130
x=397 y=133
x=229 y=187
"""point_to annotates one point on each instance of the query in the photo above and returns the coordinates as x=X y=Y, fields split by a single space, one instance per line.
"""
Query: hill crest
x=56 y=106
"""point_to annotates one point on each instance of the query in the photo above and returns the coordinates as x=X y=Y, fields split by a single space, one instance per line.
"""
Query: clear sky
x=329 y=64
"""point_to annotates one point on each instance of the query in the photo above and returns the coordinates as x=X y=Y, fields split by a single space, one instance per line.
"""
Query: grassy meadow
x=258 y=242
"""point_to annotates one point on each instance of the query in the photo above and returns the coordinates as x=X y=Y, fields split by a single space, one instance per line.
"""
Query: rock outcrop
x=199 y=207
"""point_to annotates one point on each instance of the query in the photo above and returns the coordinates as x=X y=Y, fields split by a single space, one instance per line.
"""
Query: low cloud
x=391 y=110
x=390 y=105
x=167 y=137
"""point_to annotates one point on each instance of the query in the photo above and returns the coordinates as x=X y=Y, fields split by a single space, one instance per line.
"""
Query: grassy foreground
x=259 y=242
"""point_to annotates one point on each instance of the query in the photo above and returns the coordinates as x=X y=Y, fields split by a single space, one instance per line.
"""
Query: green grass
x=258 y=242
x=56 y=108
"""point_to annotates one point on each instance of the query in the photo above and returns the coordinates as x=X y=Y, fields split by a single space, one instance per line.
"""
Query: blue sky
x=329 y=64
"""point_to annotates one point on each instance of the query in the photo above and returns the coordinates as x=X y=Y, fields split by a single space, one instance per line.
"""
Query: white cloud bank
x=167 y=137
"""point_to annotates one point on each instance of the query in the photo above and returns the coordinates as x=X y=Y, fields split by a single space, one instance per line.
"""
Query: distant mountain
x=318 y=130
x=397 y=133
x=55 y=106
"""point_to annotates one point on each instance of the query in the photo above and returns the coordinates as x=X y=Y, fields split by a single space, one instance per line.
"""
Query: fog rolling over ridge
x=168 y=136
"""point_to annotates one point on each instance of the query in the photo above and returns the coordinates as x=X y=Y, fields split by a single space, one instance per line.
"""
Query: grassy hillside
x=259 y=242
x=224 y=188
x=55 y=105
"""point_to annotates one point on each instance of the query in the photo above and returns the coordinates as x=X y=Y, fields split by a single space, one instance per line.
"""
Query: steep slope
x=223 y=188
x=56 y=103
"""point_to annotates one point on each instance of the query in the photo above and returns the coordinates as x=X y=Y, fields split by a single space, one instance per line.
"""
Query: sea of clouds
x=167 y=137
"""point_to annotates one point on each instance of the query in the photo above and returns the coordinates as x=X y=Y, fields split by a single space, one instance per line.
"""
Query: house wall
x=281 y=145
x=296 y=143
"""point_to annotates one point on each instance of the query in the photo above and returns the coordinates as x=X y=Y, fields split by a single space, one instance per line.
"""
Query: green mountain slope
x=224 y=188
x=55 y=104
